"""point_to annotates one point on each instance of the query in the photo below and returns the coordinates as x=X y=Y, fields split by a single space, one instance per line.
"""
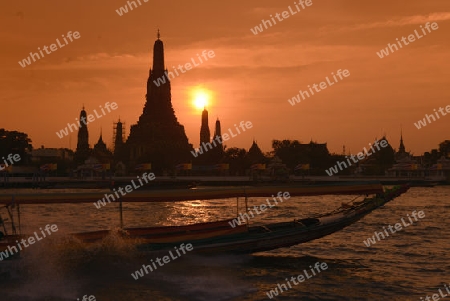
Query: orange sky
x=251 y=76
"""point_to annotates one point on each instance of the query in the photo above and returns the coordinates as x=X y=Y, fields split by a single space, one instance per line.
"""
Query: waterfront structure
x=406 y=165
x=51 y=155
x=441 y=170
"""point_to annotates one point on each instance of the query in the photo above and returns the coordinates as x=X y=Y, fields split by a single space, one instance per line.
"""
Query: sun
x=200 y=98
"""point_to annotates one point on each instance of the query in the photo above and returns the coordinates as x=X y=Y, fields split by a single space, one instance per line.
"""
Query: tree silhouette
x=13 y=142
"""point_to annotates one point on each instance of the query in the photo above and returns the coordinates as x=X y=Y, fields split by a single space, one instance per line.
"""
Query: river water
x=409 y=264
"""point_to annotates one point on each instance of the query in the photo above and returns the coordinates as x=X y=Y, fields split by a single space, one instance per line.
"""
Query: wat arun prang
x=158 y=138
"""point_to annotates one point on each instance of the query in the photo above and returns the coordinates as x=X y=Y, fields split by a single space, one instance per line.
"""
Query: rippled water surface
x=407 y=265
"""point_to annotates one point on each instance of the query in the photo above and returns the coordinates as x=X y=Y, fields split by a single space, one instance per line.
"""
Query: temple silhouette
x=158 y=137
x=159 y=142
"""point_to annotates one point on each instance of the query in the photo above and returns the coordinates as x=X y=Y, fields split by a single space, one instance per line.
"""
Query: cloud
x=411 y=20
x=95 y=61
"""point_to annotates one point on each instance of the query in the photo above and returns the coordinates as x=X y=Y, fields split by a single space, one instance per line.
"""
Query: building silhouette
x=402 y=153
x=119 y=144
x=100 y=146
x=83 y=151
x=101 y=151
x=218 y=132
x=401 y=148
x=158 y=138
x=255 y=155
x=205 y=134
x=217 y=152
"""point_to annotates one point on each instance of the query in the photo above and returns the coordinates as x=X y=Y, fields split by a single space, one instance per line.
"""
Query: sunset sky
x=250 y=78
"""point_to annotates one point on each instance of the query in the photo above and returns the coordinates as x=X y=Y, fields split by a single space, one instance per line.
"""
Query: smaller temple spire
x=100 y=145
x=158 y=35
x=205 y=135
x=401 y=148
x=82 y=152
x=217 y=130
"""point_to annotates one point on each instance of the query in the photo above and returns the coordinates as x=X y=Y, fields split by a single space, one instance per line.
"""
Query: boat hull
x=279 y=235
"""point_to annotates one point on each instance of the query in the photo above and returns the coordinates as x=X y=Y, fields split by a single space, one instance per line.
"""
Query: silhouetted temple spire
x=401 y=149
x=82 y=152
x=205 y=134
x=100 y=145
x=158 y=55
x=255 y=155
x=216 y=154
x=218 y=130
x=83 y=135
x=158 y=106
x=118 y=136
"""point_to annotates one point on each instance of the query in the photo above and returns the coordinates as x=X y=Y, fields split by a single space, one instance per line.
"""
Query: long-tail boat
x=251 y=239
x=228 y=237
